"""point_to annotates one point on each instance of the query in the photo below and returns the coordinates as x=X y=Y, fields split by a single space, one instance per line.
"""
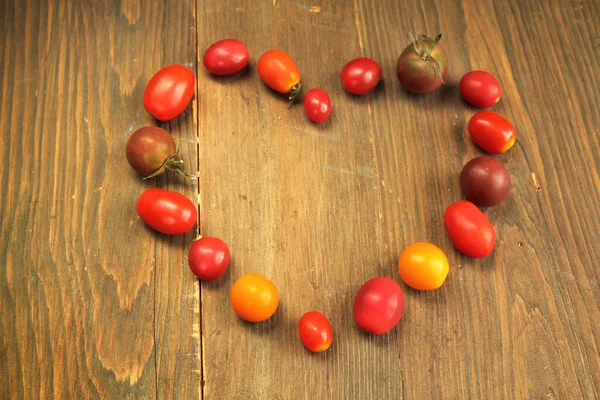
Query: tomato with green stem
x=151 y=151
x=423 y=65
x=279 y=72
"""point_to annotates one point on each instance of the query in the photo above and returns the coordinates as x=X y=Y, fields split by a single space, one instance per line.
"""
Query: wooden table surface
x=93 y=304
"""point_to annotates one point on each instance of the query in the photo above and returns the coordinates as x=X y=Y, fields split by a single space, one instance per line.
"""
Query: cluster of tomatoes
x=379 y=304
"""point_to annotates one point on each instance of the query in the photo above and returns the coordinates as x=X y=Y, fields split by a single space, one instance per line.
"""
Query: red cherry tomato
x=492 y=132
x=470 y=230
x=226 y=57
x=166 y=211
x=279 y=72
x=480 y=88
x=315 y=331
x=169 y=92
x=208 y=258
x=361 y=75
x=378 y=305
x=317 y=105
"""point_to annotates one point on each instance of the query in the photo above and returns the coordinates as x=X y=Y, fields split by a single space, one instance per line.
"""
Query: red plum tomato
x=166 y=211
x=480 y=89
x=226 y=57
x=317 y=105
x=378 y=305
x=361 y=75
x=315 y=331
x=469 y=229
x=208 y=258
x=169 y=92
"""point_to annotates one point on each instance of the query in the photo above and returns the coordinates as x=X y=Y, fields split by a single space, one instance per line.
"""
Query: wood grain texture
x=93 y=304
x=319 y=209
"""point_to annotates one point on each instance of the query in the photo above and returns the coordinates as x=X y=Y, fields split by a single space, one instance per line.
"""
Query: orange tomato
x=254 y=298
x=279 y=71
x=423 y=266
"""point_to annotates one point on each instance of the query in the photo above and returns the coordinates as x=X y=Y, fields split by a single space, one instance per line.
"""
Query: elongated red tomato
x=470 y=230
x=209 y=257
x=226 y=57
x=378 y=305
x=315 y=331
x=279 y=72
x=166 y=211
x=169 y=92
x=317 y=105
x=492 y=132
x=480 y=89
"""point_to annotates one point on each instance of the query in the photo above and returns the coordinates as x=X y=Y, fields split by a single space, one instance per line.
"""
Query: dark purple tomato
x=317 y=105
x=151 y=150
x=480 y=89
x=361 y=75
x=423 y=65
x=226 y=57
x=485 y=181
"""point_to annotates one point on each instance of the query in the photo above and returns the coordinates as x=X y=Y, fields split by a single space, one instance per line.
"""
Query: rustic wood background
x=93 y=304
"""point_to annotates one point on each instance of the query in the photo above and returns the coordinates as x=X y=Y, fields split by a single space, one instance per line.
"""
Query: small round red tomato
x=492 y=132
x=279 y=72
x=226 y=57
x=315 y=331
x=423 y=65
x=480 y=89
x=485 y=181
x=469 y=229
x=254 y=298
x=378 y=305
x=166 y=211
x=361 y=75
x=423 y=266
x=169 y=92
x=208 y=258
x=317 y=105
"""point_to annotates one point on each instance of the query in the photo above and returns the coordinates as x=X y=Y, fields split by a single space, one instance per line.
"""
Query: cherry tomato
x=480 y=89
x=254 y=298
x=169 y=92
x=470 y=230
x=378 y=305
x=226 y=57
x=315 y=331
x=485 y=181
x=423 y=65
x=208 y=258
x=361 y=75
x=166 y=211
x=151 y=151
x=423 y=266
x=317 y=105
x=279 y=72
x=492 y=132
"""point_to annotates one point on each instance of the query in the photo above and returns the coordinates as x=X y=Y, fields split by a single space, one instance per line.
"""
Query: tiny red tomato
x=279 y=72
x=209 y=257
x=480 y=89
x=169 y=92
x=492 y=132
x=166 y=211
x=226 y=57
x=378 y=305
x=361 y=75
x=315 y=331
x=317 y=105
x=469 y=229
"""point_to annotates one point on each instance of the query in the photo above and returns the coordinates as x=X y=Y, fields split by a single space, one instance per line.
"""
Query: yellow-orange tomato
x=423 y=266
x=279 y=71
x=254 y=298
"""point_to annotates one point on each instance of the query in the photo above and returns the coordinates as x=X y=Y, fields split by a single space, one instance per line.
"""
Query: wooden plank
x=93 y=304
x=321 y=208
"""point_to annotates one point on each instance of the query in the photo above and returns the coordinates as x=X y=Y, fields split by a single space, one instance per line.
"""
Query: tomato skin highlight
x=492 y=132
x=378 y=305
x=278 y=71
x=317 y=105
x=315 y=331
x=226 y=57
x=361 y=75
x=254 y=298
x=423 y=266
x=166 y=211
x=480 y=89
x=469 y=229
x=208 y=258
x=169 y=92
